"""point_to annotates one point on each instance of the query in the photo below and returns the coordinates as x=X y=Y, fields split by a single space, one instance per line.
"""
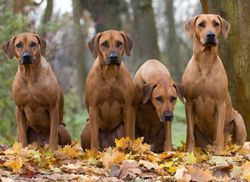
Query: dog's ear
x=180 y=91
x=93 y=44
x=147 y=92
x=128 y=43
x=190 y=26
x=225 y=26
x=42 y=43
x=8 y=48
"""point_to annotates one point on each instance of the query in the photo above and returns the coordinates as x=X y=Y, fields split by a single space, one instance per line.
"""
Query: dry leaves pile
x=128 y=161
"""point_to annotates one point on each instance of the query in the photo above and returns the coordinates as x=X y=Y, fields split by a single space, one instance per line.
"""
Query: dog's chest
x=33 y=95
x=209 y=85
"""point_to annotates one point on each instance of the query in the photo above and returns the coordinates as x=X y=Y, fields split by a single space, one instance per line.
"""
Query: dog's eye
x=216 y=24
x=105 y=44
x=172 y=98
x=118 y=44
x=160 y=99
x=202 y=24
x=33 y=44
x=19 y=45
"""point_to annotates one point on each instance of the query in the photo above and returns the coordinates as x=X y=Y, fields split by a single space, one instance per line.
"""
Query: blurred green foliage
x=74 y=115
x=9 y=25
x=179 y=112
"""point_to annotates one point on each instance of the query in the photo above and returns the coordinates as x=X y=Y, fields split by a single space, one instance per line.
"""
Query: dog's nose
x=168 y=116
x=113 y=56
x=26 y=56
x=210 y=35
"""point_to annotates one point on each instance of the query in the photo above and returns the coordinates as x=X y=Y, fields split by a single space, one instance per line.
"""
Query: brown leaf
x=129 y=168
x=149 y=165
x=199 y=175
x=112 y=157
x=182 y=175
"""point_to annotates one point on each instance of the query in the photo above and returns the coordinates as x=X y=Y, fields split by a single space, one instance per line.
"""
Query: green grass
x=178 y=133
x=179 y=124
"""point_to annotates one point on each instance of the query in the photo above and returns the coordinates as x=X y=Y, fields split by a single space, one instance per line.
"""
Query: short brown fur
x=210 y=115
x=38 y=98
x=109 y=92
x=159 y=95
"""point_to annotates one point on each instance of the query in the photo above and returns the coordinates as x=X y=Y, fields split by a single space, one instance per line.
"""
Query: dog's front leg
x=21 y=124
x=54 y=124
x=129 y=121
x=93 y=118
x=190 y=127
x=168 y=136
x=220 y=122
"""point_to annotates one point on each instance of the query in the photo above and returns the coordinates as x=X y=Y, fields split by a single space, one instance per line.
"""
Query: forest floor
x=128 y=161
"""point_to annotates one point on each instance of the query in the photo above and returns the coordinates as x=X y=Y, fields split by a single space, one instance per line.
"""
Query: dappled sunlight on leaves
x=129 y=160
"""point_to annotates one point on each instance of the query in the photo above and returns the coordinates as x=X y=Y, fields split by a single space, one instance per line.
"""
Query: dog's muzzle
x=167 y=116
x=26 y=58
x=210 y=39
x=113 y=59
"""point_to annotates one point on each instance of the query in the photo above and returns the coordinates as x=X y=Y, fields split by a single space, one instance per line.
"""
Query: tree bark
x=79 y=50
x=46 y=17
x=144 y=32
x=106 y=13
x=235 y=52
x=172 y=43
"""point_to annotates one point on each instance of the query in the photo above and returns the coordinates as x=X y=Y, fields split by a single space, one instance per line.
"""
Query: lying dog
x=109 y=92
x=210 y=115
x=155 y=112
x=38 y=99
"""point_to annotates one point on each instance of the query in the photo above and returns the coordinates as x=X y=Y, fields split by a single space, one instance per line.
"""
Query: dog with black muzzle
x=110 y=92
x=155 y=111
x=36 y=92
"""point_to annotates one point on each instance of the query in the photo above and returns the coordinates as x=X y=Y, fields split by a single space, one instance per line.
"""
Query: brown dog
x=109 y=91
x=39 y=101
x=155 y=112
x=209 y=111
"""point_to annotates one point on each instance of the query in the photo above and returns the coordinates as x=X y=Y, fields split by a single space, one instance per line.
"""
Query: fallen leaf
x=112 y=157
x=199 y=175
x=129 y=168
x=149 y=165
x=191 y=159
x=15 y=164
x=182 y=175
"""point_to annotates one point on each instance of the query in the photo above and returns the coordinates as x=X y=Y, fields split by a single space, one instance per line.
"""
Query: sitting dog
x=155 y=111
x=210 y=115
x=109 y=92
x=38 y=98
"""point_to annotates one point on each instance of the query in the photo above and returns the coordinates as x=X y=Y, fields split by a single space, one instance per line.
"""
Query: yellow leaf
x=15 y=164
x=112 y=157
x=90 y=154
x=72 y=152
x=122 y=142
x=167 y=164
x=15 y=149
x=191 y=159
x=138 y=142
x=246 y=170
x=172 y=169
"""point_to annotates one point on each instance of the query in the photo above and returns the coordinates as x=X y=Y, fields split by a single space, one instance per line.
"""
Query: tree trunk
x=235 y=51
x=144 y=33
x=46 y=17
x=106 y=13
x=172 y=43
x=79 y=50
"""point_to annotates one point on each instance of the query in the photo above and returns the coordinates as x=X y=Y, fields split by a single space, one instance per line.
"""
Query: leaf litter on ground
x=128 y=161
